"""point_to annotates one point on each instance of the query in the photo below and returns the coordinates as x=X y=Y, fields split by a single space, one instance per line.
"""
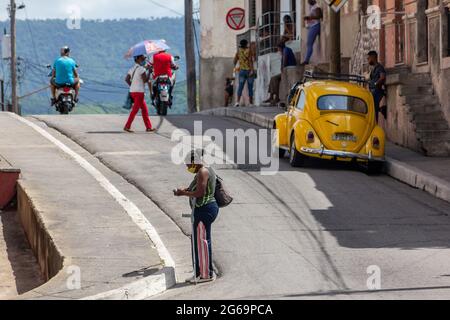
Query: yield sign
x=236 y=18
x=336 y=5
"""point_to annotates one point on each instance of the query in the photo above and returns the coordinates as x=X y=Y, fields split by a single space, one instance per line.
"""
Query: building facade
x=411 y=36
x=413 y=41
x=264 y=28
x=218 y=47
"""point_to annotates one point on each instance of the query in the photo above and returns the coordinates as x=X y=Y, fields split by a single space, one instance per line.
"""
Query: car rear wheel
x=281 y=152
x=296 y=159
x=375 y=167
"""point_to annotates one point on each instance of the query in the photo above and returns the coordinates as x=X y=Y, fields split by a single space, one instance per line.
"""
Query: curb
x=51 y=259
x=141 y=289
x=418 y=179
x=403 y=172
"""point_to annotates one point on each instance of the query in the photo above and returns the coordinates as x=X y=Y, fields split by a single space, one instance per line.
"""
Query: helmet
x=65 y=50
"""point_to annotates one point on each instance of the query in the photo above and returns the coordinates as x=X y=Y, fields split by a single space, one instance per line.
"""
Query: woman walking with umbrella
x=139 y=76
x=136 y=78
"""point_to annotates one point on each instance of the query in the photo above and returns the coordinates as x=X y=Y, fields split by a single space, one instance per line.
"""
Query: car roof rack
x=311 y=75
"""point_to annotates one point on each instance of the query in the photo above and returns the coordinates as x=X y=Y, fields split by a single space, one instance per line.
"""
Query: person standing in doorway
x=246 y=72
x=377 y=80
x=313 y=25
x=201 y=198
x=136 y=78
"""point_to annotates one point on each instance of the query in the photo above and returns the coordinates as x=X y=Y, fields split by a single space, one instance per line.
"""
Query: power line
x=167 y=8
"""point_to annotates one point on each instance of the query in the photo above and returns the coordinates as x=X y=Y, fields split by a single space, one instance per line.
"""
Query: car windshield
x=342 y=103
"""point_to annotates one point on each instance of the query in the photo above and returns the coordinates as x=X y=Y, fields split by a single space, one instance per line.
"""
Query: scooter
x=65 y=97
x=162 y=97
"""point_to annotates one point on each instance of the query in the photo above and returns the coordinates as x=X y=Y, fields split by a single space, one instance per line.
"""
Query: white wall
x=217 y=39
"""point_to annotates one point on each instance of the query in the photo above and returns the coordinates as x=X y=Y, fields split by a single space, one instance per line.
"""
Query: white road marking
x=132 y=210
x=127 y=153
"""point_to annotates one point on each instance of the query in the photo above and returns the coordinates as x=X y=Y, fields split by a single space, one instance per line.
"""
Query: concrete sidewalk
x=429 y=174
x=75 y=225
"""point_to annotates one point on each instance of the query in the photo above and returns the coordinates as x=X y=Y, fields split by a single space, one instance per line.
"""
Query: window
x=252 y=13
x=301 y=101
x=342 y=103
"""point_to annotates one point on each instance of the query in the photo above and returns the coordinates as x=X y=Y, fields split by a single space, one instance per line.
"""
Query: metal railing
x=271 y=29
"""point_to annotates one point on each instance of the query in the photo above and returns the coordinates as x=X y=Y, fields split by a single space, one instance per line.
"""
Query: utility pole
x=335 y=41
x=14 y=102
x=2 y=93
x=191 y=74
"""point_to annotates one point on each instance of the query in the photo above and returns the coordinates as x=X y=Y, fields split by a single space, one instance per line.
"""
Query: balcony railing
x=271 y=29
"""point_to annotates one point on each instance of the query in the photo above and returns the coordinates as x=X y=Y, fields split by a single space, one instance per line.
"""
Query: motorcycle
x=65 y=97
x=162 y=97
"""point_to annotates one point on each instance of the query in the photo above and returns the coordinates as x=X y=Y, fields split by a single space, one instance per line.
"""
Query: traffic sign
x=336 y=5
x=236 y=18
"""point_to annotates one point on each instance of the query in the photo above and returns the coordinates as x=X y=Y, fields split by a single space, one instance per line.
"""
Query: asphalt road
x=308 y=233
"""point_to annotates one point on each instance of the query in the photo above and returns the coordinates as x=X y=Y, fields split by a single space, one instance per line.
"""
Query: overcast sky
x=95 y=9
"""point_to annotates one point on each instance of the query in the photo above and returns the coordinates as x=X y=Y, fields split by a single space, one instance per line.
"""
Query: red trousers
x=139 y=104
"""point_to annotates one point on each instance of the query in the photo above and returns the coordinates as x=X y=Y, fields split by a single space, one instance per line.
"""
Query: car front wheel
x=296 y=159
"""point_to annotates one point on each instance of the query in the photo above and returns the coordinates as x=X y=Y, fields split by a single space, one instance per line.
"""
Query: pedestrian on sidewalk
x=201 y=199
x=246 y=71
x=377 y=82
x=313 y=26
x=136 y=78
x=289 y=28
x=229 y=91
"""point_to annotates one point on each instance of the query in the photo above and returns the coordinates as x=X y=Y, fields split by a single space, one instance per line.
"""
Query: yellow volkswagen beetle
x=331 y=117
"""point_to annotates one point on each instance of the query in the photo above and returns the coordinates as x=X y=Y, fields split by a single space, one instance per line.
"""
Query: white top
x=137 y=84
x=313 y=22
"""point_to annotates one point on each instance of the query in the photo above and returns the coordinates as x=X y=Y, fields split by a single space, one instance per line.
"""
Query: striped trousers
x=203 y=219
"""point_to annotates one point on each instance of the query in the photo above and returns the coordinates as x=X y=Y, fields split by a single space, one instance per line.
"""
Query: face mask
x=192 y=169
x=143 y=63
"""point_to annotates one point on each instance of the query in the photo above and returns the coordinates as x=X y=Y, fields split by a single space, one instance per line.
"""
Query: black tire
x=296 y=159
x=64 y=109
x=281 y=152
x=163 y=110
x=375 y=167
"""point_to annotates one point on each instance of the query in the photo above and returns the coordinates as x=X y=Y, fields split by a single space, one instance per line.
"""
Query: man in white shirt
x=313 y=25
x=137 y=78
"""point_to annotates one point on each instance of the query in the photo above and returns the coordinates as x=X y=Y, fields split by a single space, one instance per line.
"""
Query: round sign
x=236 y=18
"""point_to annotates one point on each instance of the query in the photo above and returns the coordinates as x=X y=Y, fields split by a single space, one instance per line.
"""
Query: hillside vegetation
x=99 y=48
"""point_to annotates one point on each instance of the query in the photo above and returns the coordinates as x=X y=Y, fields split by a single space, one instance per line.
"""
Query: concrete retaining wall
x=213 y=73
x=48 y=256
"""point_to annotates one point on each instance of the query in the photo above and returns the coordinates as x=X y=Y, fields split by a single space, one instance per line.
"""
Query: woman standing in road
x=202 y=200
x=136 y=78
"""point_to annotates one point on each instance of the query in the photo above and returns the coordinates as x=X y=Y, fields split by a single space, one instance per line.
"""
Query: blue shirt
x=65 y=67
x=288 y=59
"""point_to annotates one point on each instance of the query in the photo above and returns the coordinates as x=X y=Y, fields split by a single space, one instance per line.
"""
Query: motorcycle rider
x=163 y=63
x=65 y=73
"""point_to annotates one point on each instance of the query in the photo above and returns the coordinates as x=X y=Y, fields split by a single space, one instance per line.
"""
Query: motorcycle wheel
x=163 y=109
x=65 y=108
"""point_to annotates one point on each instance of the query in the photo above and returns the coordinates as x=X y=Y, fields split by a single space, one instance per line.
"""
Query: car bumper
x=340 y=154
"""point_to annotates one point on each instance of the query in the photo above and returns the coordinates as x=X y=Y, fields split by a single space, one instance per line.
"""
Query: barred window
x=252 y=13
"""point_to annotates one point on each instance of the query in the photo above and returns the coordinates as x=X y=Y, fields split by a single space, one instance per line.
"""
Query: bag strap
x=134 y=72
